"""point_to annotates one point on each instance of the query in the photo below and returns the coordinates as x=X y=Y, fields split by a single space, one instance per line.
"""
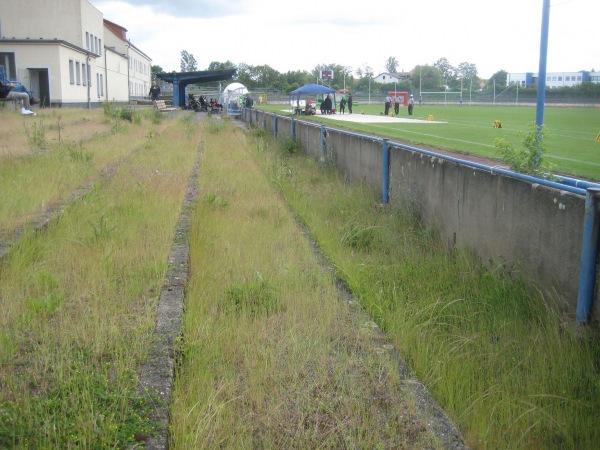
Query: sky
x=301 y=34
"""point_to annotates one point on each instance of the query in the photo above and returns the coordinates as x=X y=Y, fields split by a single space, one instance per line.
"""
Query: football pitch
x=571 y=141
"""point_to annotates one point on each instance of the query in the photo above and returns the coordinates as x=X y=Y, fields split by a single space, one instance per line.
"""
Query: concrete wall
x=504 y=220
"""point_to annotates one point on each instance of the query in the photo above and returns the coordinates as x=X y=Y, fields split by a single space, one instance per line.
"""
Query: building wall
x=69 y=40
x=553 y=79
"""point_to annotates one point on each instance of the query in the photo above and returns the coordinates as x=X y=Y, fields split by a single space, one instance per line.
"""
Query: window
x=100 y=46
x=98 y=84
x=71 y=72
x=84 y=74
x=101 y=85
x=578 y=77
x=78 y=73
x=91 y=43
x=567 y=78
x=559 y=78
x=548 y=78
x=87 y=40
x=96 y=45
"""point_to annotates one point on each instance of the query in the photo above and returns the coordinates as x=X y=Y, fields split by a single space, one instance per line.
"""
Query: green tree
x=391 y=65
x=215 y=65
x=188 y=62
x=154 y=70
x=501 y=78
x=467 y=73
x=429 y=78
x=448 y=71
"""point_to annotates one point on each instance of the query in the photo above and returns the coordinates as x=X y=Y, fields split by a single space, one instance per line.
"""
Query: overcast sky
x=300 y=34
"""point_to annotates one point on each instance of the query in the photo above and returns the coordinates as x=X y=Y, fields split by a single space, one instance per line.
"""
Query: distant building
x=396 y=77
x=68 y=54
x=553 y=79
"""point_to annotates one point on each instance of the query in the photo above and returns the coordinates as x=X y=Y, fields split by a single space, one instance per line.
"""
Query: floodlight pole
x=541 y=93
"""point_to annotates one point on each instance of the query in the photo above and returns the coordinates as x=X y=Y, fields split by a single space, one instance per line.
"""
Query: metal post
x=589 y=255
x=385 y=189
x=541 y=93
x=275 y=125
x=293 y=122
x=323 y=142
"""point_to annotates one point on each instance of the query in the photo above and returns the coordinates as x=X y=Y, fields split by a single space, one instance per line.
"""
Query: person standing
x=388 y=103
x=342 y=105
x=396 y=104
x=411 y=104
x=154 y=91
x=349 y=103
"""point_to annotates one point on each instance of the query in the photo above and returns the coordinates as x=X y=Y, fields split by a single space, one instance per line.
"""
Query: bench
x=162 y=106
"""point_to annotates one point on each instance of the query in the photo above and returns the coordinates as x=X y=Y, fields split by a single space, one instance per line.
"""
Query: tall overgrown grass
x=78 y=300
x=271 y=357
x=507 y=367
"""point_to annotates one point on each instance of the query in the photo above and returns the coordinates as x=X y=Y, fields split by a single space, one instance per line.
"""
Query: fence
x=547 y=229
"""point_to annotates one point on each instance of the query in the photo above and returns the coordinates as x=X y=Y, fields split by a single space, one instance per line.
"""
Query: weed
x=101 y=229
x=214 y=127
x=37 y=137
x=252 y=299
x=290 y=146
x=529 y=159
x=215 y=199
x=77 y=154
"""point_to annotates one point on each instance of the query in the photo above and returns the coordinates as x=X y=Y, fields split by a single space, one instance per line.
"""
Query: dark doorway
x=43 y=91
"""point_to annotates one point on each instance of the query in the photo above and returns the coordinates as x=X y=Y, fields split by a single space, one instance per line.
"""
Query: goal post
x=440 y=97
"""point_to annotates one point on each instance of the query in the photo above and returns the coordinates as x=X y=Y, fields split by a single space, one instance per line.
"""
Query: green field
x=571 y=140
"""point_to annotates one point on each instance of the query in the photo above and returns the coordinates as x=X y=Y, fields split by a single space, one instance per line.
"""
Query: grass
x=571 y=140
x=506 y=366
x=79 y=300
x=271 y=357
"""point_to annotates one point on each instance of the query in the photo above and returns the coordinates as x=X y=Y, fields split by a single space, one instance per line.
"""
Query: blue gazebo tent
x=308 y=89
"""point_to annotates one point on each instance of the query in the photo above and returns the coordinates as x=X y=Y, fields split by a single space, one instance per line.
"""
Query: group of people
x=327 y=105
x=10 y=90
x=202 y=104
x=396 y=101
x=346 y=102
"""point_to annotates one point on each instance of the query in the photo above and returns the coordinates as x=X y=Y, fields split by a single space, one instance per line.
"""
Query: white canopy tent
x=233 y=94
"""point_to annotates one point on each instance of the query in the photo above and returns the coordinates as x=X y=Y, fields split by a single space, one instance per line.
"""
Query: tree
x=155 y=70
x=501 y=78
x=391 y=65
x=188 y=62
x=366 y=76
x=215 y=65
x=448 y=71
x=429 y=78
x=467 y=73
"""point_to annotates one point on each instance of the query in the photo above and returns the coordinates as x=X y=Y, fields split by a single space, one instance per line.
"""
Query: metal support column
x=589 y=255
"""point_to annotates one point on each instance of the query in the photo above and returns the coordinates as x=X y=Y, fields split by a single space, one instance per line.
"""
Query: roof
x=313 y=89
x=185 y=78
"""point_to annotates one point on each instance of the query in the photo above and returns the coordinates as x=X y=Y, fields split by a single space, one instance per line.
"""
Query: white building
x=553 y=79
x=68 y=54
x=396 y=77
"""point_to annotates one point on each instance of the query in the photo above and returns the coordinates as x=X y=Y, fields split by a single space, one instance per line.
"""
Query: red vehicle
x=403 y=96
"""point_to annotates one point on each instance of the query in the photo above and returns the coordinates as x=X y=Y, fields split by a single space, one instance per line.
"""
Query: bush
x=529 y=159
